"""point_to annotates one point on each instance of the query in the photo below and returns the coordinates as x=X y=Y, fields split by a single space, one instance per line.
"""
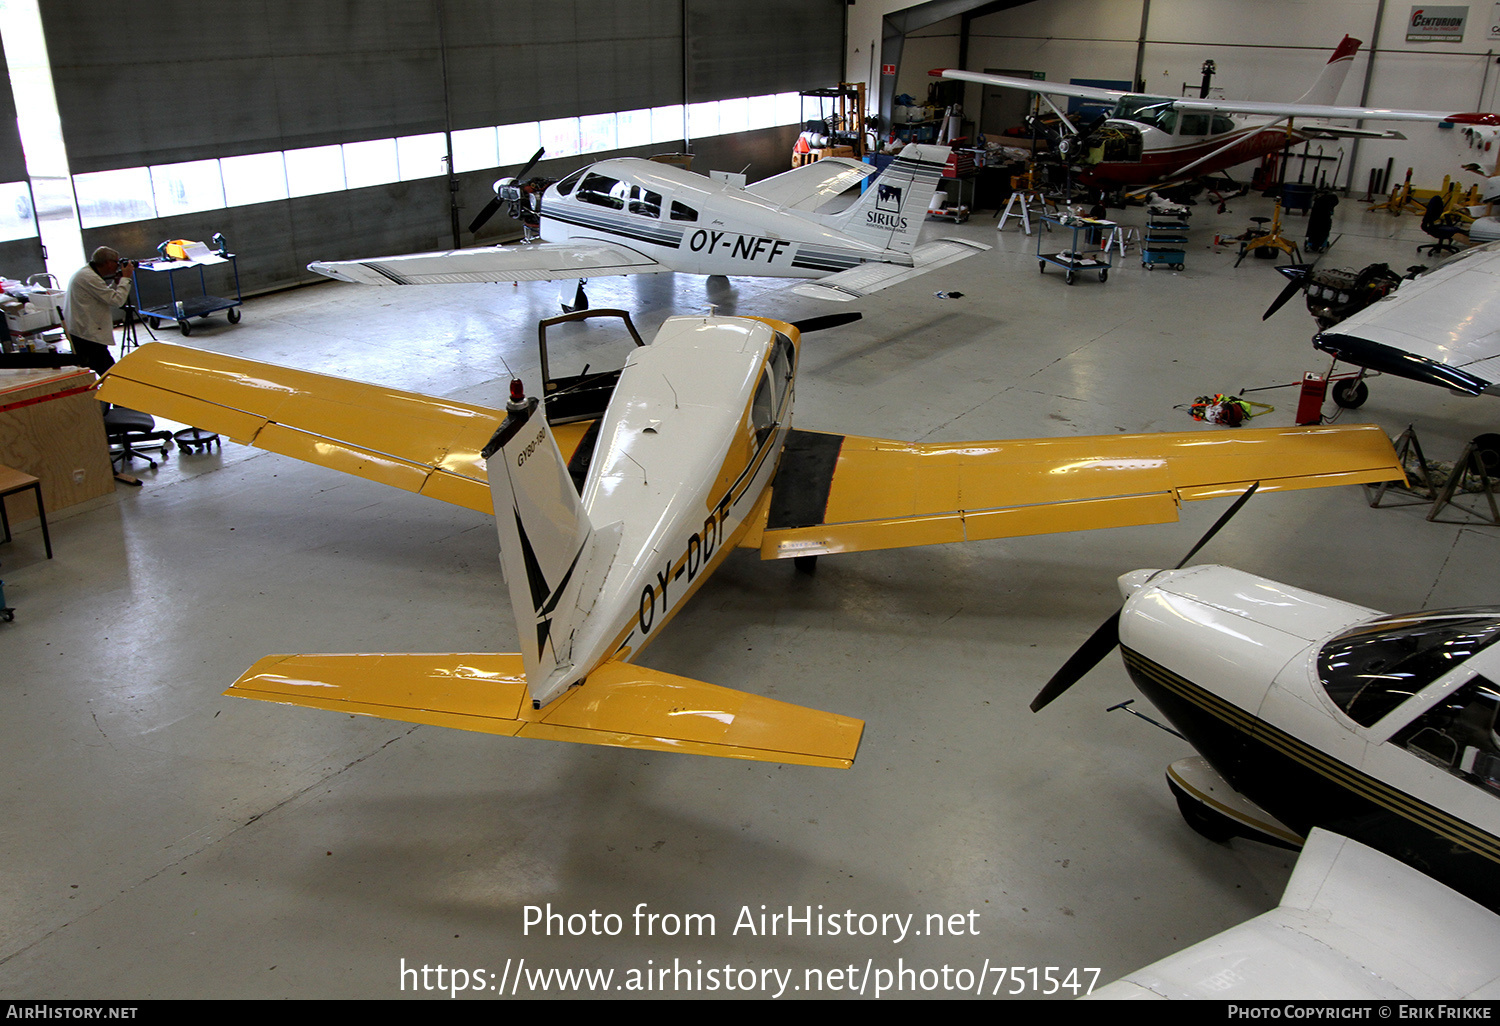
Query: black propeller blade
x=495 y=204
x=1296 y=279
x=1104 y=639
x=1297 y=276
x=484 y=215
x=825 y=321
x=530 y=163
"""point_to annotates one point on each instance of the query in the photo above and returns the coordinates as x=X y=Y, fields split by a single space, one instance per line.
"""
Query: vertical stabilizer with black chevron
x=548 y=546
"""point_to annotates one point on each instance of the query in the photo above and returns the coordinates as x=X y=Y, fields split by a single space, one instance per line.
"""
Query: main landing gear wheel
x=805 y=564
x=1351 y=395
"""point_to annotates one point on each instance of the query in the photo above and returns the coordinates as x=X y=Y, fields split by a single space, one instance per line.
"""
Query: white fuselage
x=1241 y=658
x=695 y=224
x=688 y=446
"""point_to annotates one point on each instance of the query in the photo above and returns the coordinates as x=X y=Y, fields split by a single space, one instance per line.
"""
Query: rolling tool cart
x=1166 y=234
x=182 y=308
x=1074 y=259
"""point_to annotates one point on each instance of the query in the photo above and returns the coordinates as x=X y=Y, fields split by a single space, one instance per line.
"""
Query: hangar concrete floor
x=160 y=840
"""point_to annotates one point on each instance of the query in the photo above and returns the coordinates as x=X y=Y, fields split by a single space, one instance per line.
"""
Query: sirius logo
x=888 y=198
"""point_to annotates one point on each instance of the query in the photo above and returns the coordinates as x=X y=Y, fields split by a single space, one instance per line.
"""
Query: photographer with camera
x=88 y=308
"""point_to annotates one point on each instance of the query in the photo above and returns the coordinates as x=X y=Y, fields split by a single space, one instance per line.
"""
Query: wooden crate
x=51 y=427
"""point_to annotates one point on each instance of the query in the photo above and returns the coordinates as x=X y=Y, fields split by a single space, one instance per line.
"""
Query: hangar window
x=1370 y=670
x=1458 y=734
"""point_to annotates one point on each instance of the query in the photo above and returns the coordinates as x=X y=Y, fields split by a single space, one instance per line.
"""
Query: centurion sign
x=1436 y=24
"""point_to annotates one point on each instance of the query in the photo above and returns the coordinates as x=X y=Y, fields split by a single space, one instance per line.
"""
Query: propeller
x=1104 y=639
x=507 y=190
x=1296 y=280
x=1296 y=276
x=825 y=321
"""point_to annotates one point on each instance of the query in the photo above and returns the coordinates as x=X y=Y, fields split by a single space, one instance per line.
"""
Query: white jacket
x=88 y=307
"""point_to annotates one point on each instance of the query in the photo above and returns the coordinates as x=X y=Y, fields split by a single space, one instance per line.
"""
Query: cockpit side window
x=1221 y=123
x=1192 y=124
x=1370 y=670
x=602 y=191
x=783 y=358
x=566 y=185
x=643 y=201
x=1458 y=735
x=682 y=212
x=763 y=410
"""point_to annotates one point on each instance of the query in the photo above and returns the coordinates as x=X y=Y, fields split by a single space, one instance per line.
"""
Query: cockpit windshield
x=1146 y=110
x=1371 y=669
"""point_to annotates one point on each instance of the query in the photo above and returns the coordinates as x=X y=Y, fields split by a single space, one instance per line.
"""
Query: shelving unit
x=1165 y=235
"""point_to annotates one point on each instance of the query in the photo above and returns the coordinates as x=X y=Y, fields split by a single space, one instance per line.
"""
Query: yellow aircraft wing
x=619 y=704
x=833 y=493
x=842 y=493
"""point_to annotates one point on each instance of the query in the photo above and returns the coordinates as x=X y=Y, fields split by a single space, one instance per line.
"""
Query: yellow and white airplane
x=633 y=216
x=612 y=517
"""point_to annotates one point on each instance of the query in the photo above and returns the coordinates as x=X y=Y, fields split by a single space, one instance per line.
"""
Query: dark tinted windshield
x=1374 y=667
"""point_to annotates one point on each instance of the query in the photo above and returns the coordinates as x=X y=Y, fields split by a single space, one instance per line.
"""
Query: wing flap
x=864 y=279
x=415 y=442
x=621 y=705
x=844 y=493
x=540 y=261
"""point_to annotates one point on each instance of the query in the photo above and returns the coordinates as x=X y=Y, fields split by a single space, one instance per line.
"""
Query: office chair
x=127 y=429
x=1440 y=226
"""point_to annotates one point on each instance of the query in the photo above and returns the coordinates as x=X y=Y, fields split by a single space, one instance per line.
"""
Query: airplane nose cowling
x=1215 y=629
x=1134 y=581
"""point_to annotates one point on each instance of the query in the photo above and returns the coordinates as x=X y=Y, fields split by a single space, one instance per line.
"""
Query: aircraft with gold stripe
x=1371 y=737
x=619 y=494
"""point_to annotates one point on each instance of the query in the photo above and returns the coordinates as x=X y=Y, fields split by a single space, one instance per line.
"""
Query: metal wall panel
x=772 y=46
x=534 y=60
x=176 y=80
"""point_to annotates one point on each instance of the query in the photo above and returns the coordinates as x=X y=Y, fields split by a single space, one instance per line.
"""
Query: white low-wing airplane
x=1150 y=139
x=1373 y=737
x=691 y=455
x=634 y=216
x=1442 y=327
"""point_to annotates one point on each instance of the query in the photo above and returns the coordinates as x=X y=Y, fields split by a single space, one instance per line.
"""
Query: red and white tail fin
x=1325 y=89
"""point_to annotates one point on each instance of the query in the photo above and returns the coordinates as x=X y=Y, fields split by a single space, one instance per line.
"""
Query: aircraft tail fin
x=546 y=542
x=891 y=211
x=1325 y=89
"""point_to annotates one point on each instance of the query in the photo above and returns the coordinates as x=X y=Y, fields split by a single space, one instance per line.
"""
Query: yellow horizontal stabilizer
x=842 y=493
x=619 y=704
